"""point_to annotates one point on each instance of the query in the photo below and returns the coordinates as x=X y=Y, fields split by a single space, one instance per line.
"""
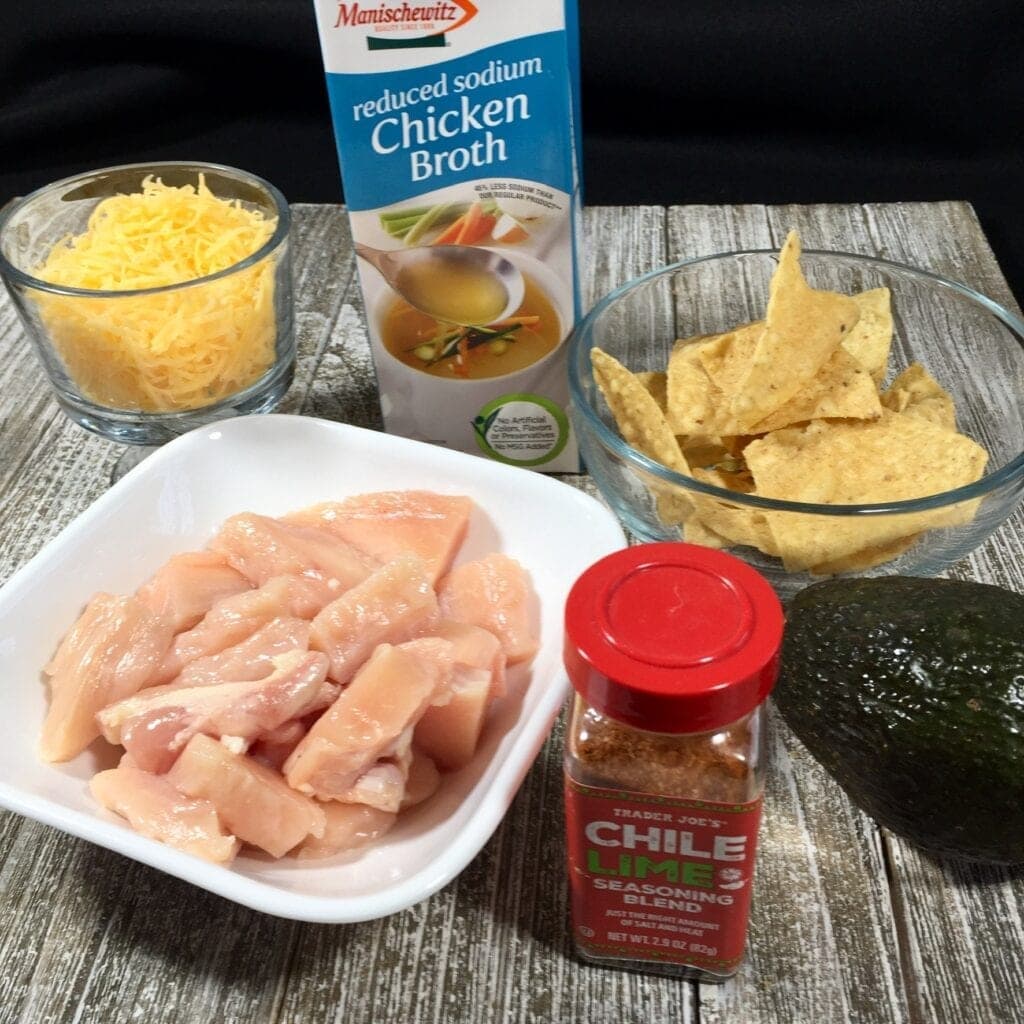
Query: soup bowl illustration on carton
x=486 y=382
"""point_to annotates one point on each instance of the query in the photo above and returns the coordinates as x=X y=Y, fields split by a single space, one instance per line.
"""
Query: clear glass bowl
x=32 y=226
x=970 y=344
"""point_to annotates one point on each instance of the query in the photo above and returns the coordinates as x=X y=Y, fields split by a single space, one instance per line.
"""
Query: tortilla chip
x=732 y=474
x=894 y=458
x=743 y=526
x=859 y=561
x=697 y=407
x=789 y=408
x=803 y=327
x=729 y=472
x=637 y=414
x=695 y=532
x=870 y=338
x=693 y=401
x=643 y=426
x=917 y=393
x=735 y=443
x=727 y=357
x=656 y=383
x=671 y=507
x=841 y=389
x=702 y=451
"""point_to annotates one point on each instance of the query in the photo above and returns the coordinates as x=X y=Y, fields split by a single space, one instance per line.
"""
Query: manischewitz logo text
x=406 y=16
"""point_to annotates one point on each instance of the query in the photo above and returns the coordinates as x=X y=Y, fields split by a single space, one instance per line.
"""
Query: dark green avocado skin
x=910 y=692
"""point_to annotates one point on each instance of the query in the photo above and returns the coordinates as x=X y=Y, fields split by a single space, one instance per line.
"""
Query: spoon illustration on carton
x=455 y=284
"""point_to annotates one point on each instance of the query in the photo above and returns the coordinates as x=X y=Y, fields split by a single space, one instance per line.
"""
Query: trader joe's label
x=660 y=879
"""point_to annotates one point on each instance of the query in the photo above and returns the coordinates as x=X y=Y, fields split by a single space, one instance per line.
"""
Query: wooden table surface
x=849 y=923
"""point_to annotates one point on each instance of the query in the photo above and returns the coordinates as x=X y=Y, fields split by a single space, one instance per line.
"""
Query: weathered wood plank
x=20 y=377
x=59 y=896
x=621 y=242
x=323 y=270
x=32 y=873
x=122 y=942
x=963 y=924
x=949 y=241
x=86 y=935
x=822 y=935
x=50 y=469
x=494 y=945
x=960 y=925
x=345 y=388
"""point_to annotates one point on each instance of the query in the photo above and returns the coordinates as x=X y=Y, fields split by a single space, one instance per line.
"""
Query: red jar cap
x=672 y=637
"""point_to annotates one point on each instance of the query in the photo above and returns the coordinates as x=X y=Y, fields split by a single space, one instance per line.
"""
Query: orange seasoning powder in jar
x=672 y=650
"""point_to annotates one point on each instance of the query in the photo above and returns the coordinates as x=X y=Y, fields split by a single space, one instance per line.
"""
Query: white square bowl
x=174 y=501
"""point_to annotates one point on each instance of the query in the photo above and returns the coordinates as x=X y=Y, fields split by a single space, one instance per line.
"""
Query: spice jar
x=672 y=650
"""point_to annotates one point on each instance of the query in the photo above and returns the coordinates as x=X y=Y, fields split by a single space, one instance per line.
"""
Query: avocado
x=910 y=692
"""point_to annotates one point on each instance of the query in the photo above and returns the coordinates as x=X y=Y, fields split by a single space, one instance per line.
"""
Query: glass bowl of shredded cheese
x=158 y=296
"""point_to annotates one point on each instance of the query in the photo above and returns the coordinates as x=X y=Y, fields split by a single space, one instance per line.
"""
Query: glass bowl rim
x=1011 y=471
x=12 y=273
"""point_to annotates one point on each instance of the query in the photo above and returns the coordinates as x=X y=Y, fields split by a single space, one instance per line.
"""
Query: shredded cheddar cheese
x=172 y=350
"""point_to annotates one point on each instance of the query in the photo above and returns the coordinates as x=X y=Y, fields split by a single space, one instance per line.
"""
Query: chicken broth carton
x=458 y=134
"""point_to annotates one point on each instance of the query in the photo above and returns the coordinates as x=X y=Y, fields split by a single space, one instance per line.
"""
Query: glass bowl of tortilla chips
x=816 y=413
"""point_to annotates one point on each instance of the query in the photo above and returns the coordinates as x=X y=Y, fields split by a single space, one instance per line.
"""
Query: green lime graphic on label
x=521 y=430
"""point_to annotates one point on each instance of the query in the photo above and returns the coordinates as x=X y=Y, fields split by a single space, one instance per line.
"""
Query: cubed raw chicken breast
x=348 y=827
x=474 y=647
x=156 y=724
x=299 y=683
x=449 y=732
x=423 y=780
x=234 y=619
x=383 y=784
x=388 y=695
x=154 y=808
x=394 y=523
x=253 y=801
x=388 y=607
x=260 y=548
x=250 y=659
x=495 y=594
x=274 y=746
x=111 y=652
x=188 y=585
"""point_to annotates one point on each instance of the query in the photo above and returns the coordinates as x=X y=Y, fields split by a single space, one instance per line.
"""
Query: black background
x=684 y=100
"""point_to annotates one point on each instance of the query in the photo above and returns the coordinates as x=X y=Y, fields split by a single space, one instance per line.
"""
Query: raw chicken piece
x=348 y=827
x=234 y=619
x=157 y=810
x=110 y=653
x=250 y=659
x=474 y=648
x=252 y=800
x=394 y=523
x=388 y=694
x=156 y=724
x=493 y=593
x=261 y=548
x=449 y=732
x=383 y=785
x=275 y=745
x=423 y=780
x=387 y=607
x=187 y=586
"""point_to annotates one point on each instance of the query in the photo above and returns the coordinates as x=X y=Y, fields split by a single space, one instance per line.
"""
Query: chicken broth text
x=458 y=127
